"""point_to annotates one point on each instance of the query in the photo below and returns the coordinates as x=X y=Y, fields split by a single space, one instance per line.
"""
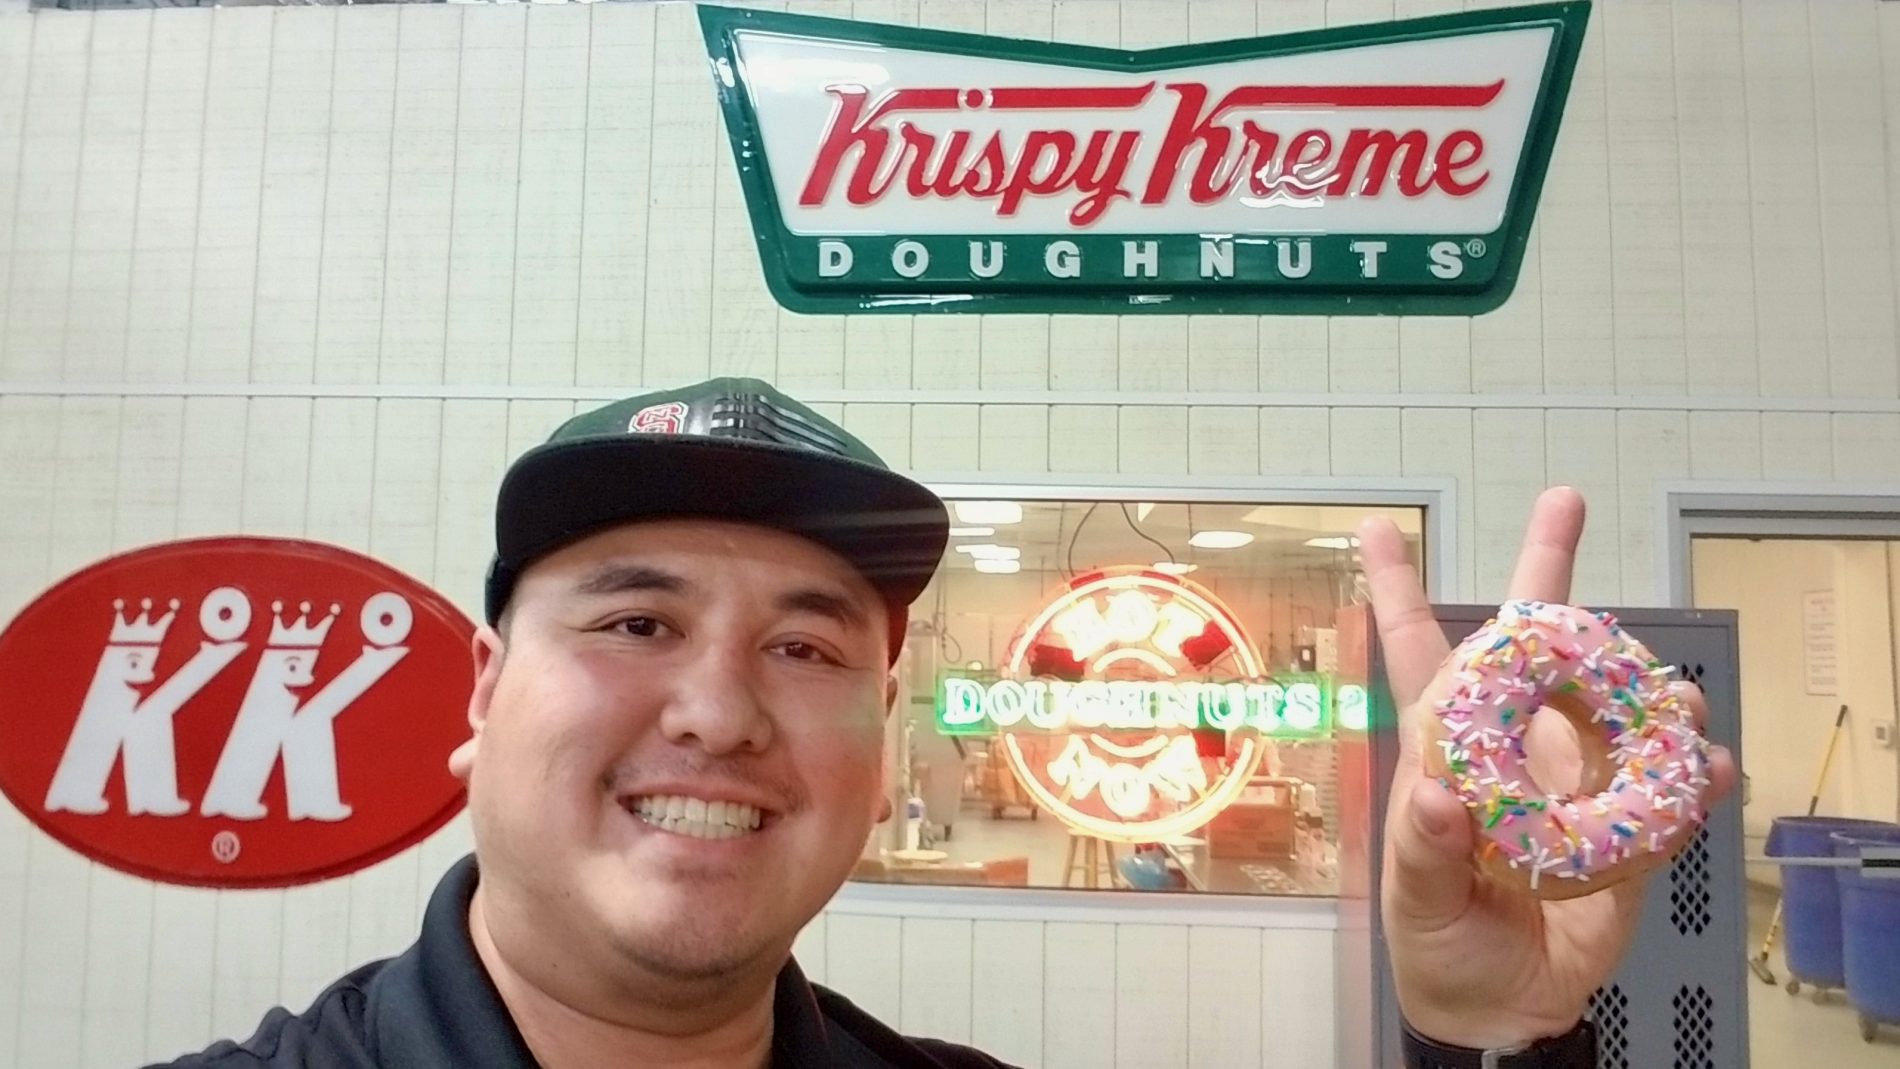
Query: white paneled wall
x=322 y=271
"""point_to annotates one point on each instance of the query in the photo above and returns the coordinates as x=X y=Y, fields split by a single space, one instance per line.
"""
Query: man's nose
x=716 y=704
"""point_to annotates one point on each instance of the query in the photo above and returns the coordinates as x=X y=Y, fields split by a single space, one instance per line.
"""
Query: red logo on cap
x=235 y=712
x=668 y=418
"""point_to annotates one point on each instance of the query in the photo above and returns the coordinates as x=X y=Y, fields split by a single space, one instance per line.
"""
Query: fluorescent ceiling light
x=1335 y=542
x=998 y=567
x=1174 y=567
x=1314 y=518
x=984 y=551
x=1219 y=539
x=972 y=532
x=989 y=512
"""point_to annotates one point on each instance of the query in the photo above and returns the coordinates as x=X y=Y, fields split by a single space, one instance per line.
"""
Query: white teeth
x=696 y=817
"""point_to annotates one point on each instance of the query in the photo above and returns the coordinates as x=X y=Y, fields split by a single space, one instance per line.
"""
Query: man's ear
x=487 y=653
x=884 y=805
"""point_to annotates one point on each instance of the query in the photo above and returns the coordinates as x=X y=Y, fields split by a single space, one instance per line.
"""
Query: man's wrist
x=1575 y=1049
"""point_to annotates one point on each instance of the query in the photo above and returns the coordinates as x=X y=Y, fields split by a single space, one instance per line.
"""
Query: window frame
x=1689 y=508
x=1436 y=496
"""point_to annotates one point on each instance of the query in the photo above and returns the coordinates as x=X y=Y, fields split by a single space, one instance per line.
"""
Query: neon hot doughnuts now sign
x=1134 y=706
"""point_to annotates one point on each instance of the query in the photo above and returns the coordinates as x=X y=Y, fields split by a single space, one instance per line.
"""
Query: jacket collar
x=435 y=1006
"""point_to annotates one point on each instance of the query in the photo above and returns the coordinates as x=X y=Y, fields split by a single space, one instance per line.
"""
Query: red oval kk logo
x=235 y=712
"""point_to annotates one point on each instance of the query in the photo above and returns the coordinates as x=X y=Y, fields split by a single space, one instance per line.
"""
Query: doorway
x=1817 y=621
x=1817 y=598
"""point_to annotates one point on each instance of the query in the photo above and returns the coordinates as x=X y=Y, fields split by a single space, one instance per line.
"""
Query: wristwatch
x=1575 y=1049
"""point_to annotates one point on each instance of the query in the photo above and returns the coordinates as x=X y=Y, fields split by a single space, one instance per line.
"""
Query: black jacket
x=434 y=1007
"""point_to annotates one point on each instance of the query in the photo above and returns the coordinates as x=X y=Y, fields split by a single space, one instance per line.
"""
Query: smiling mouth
x=697 y=818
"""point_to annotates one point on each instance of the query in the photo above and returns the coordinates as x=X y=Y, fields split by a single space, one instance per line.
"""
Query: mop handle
x=1834 y=737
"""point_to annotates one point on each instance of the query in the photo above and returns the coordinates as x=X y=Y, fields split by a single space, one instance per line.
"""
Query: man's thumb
x=1430 y=847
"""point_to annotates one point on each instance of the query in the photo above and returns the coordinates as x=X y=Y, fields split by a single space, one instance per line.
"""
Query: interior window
x=1129 y=694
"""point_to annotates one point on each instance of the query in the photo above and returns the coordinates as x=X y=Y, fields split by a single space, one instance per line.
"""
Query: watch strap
x=1575 y=1049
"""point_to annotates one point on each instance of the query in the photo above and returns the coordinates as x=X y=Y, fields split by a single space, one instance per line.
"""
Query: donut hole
x=1558 y=759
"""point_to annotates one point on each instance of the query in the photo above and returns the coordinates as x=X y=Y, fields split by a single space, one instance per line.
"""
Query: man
x=676 y=758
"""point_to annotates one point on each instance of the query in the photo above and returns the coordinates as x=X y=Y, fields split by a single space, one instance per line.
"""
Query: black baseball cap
x=727 y=448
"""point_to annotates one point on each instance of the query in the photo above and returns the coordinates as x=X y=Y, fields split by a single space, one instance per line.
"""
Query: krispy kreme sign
x=1133 y=706
x=1384 y=168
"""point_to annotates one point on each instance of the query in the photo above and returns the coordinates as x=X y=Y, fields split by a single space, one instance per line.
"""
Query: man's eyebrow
x=826 y=603
x=624 y=578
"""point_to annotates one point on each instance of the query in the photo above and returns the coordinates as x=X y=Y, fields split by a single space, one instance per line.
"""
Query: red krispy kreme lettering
x=1448 y=167
x=872 y=147
x=1300 y=169
x=1047 y=162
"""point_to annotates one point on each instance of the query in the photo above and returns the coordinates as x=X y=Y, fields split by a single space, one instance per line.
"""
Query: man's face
x=678 y=756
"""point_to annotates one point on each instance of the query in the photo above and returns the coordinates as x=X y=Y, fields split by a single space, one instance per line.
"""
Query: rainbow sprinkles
x=1584 y=665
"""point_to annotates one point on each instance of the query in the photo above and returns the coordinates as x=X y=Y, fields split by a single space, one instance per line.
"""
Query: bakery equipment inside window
x=1131 y=695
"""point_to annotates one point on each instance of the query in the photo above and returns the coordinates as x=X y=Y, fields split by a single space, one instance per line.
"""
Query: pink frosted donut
x=1641 y=791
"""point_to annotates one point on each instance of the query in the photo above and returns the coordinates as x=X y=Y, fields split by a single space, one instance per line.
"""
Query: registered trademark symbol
x=1475 y=246
x=224 y=847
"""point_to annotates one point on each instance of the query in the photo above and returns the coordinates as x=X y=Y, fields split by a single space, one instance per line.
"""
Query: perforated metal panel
x=1609 y=1008
x=1689 y=887
x=1695 y=1028
x=1680 y=999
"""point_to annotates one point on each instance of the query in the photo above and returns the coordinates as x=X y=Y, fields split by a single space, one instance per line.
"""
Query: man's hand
x=1477 y=964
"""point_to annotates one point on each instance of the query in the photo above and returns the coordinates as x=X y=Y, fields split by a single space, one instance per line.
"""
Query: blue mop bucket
x=1870 y=928
x=1811 y=896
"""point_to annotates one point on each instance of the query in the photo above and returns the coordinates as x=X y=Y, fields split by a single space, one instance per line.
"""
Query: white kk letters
x=115 y=726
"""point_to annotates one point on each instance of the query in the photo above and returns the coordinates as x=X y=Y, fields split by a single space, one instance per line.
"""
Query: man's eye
x=640 y=627
x=805 y=651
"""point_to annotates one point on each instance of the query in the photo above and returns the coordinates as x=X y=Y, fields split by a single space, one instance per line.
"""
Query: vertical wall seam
x=521 y=165
x=455 y=176
x=1820 y=217
x=198 y=203
x=646 y=207
x=138 y=204
x=389 y=212
x=323 y=200
x=580 y=243
x=18 y=167
x=263 y=187
x=79 y=181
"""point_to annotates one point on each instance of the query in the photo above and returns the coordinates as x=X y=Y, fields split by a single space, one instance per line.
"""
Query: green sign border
x=1323 y=296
